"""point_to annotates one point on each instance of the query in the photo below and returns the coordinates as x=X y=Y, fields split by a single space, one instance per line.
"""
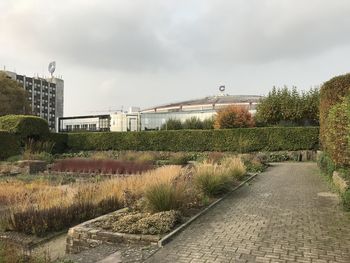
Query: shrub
x=211 y=179
x=164 y=197
x=233 y=117
x=193 y=123
x=288 y=107
x=25 y=126
x=100 y=166
x=9 y=145
x=172 y=124
x=208 y=124
x=234 y=140
x=331 y=93
x=59 y=141
x=326 y=164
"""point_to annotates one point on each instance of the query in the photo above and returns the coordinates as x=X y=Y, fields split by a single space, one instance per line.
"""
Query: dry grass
x=42 y=195
x=234 y=167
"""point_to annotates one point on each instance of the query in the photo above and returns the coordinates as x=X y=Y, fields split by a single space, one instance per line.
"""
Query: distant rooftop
x=211 y=100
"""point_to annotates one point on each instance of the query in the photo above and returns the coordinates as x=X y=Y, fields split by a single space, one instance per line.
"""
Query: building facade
x=44 y=95
x=205 y=108
x=156 y=118
x=115 y=122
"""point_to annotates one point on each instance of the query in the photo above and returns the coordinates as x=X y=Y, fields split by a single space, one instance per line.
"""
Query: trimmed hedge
x=25 y=126
x=60 y=142
x=337 y=135
x=9 y=145
x=235 y=140
x=331 y=93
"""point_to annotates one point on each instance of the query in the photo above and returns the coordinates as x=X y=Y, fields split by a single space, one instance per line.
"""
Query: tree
x=13 y=98
x=289 y=107
x=233 y=117
x=172 y=124
x=193 y=123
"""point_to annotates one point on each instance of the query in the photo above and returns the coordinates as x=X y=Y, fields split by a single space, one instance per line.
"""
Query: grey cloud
x=153 y=35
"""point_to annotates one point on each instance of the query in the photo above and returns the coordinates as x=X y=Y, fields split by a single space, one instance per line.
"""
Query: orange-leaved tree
x=233 y=117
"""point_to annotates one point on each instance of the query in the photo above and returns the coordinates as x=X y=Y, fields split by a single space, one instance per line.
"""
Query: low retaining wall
x=83 y=237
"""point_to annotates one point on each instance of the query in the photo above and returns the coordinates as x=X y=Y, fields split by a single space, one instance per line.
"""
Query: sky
x=113 y=54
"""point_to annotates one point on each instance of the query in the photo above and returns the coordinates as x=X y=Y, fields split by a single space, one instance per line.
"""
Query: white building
x=154 y=118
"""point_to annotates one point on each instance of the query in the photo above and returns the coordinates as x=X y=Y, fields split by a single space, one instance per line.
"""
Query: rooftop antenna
x=52 y=67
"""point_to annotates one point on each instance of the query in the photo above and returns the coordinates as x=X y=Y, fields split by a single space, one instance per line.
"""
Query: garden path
x=287 y=214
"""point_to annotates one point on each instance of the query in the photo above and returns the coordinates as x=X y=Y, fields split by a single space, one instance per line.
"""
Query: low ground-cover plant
x=133 y=222
x=100 y=166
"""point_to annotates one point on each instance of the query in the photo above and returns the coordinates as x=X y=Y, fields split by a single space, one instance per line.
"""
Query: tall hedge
x=9 y=145
x=336 y=137
x=331 y=93
x=25 y=126
x=235 y=140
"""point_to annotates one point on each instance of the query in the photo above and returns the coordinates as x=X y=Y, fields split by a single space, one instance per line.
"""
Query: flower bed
x=100 y=166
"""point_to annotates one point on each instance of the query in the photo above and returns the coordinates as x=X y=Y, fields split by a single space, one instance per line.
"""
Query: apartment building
x=44 y=95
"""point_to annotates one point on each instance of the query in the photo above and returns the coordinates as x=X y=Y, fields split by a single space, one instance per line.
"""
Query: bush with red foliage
x=100 y=166
x=233 y=117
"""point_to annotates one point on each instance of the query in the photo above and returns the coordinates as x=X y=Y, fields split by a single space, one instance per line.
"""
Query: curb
x=166 y=239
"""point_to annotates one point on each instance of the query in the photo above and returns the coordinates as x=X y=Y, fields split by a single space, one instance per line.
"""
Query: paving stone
x=286 y=214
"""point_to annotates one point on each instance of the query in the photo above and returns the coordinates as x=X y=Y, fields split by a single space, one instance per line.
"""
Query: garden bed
x=130 y=226
x=100 y=166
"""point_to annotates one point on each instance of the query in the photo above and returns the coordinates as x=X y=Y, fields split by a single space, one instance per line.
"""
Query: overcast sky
x=122 y=53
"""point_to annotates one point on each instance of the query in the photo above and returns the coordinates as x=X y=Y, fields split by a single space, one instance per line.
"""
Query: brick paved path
x=286 y=215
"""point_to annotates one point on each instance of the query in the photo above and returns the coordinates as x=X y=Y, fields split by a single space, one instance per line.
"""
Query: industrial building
x=153 y=118
x=44 y=95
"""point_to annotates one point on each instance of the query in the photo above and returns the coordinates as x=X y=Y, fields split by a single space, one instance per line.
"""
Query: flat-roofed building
x=154 y=118
x=44 y=95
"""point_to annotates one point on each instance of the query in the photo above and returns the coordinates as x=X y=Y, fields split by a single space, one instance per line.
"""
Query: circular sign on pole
x=52 y=67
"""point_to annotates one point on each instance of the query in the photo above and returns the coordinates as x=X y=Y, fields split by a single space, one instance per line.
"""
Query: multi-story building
x=44 y=95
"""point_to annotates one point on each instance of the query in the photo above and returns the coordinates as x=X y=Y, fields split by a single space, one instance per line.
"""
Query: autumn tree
x=233 y=117
x=13 y=98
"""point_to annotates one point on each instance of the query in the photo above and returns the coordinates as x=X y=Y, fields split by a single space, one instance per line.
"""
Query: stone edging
x=166 y=239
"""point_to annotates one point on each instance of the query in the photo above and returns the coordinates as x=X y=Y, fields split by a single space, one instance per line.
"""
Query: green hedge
x=25 y=126
x=235 y=140
x=332 y=92
x=60 y=142
x=9 y=145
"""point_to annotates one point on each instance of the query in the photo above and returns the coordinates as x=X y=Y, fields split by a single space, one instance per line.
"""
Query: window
x=92 y=127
